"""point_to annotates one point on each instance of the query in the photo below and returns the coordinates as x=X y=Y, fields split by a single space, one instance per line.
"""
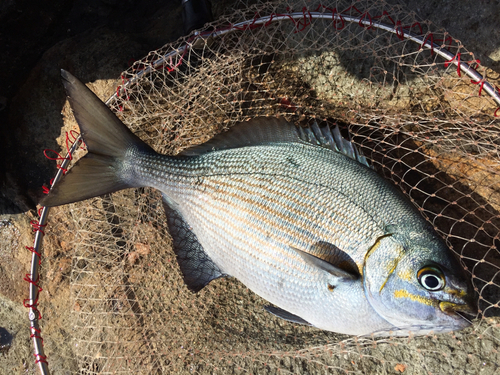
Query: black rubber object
x=195 y=13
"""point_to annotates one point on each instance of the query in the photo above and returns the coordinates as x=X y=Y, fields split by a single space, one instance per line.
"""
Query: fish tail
x=107 y=167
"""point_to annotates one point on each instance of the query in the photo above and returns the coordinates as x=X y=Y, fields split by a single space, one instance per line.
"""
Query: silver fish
x=296 y=215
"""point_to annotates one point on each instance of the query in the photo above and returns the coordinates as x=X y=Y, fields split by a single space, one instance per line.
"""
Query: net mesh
x=116 y=299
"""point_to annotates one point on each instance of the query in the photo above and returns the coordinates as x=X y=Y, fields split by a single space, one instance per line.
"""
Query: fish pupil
x=431 y=281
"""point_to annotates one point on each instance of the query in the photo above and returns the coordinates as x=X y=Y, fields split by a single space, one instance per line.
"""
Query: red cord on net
x=169 y=66
x=498 y=109
x=400 y=29
x=271 y=17
x=141 y=65
x=257 y=17
x=74 y=135
x=37 y=227
x=306 y=21
x=300 y=25
x=398 y=26
x=362 y=16
x=334 y=22
x=446 y=41
x=33 y=305
x=385 y=13
x=172 y=67
x=475 y=62
x=32 y=249
x=457 y=59
x=36 y=334
x=118 y=94
x=431 y=36
x=295 y=23
x=480 y=83
x=40 y=358
x=58 y=155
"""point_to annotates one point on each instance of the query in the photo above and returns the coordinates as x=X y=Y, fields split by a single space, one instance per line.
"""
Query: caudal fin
x=107 y=139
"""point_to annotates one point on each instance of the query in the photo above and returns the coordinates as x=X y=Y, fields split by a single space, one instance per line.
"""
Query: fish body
x=296 y=215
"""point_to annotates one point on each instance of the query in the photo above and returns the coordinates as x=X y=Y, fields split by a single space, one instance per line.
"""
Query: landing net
x=415 y=101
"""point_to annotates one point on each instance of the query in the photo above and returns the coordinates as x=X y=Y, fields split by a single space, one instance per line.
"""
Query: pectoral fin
x=280 y=313
x=331 y=259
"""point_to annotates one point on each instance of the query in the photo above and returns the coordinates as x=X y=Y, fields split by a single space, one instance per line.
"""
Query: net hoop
x=198 y=38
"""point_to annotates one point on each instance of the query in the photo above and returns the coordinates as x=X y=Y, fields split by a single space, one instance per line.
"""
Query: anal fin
x=283 y=314
x=196 y=266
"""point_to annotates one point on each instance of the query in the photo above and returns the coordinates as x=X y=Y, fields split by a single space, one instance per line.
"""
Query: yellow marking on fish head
x=401 y=293
x=406 y=275
x=391 y=268
x=455 y=292
x=372 y=249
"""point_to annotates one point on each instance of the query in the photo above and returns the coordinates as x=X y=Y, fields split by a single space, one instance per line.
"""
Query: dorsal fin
x=333 y=140
x=258 y=131
x=266 y=130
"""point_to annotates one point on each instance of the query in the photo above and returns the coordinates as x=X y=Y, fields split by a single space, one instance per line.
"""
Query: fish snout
x=451 y=308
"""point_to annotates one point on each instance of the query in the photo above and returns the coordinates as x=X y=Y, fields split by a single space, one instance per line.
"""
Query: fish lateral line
x=291 y=177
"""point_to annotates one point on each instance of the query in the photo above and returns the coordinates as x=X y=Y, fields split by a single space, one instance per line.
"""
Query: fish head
x=416 y=283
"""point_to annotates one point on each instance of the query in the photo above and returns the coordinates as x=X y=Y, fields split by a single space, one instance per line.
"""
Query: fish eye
x=431 y=278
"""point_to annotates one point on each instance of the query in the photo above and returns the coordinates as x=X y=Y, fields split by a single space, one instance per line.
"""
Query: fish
x=296 y=214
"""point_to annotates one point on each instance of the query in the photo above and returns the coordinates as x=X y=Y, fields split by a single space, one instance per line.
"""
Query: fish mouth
x=451 y=308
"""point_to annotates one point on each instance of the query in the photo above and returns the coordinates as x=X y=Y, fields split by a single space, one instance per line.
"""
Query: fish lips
x=453 y=309
x=461 y=313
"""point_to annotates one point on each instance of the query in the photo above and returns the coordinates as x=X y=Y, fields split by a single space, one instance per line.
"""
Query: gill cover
x=380 y=263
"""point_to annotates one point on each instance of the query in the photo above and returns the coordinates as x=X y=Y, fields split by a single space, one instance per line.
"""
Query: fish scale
x=283 y=202
x=248 y=220
x=295 y=214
